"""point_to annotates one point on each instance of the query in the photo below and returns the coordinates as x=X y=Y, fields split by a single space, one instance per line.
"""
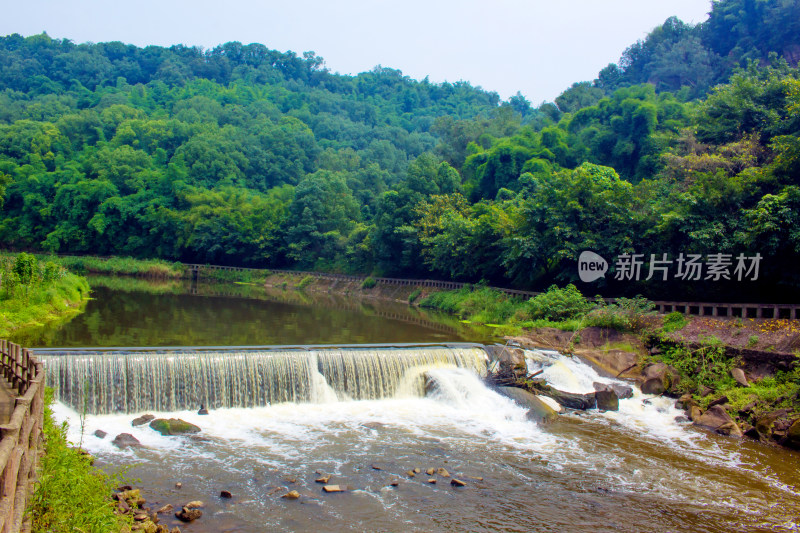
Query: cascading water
x=173 y=380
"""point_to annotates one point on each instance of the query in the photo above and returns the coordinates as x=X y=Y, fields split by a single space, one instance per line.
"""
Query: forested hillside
x=244 y=155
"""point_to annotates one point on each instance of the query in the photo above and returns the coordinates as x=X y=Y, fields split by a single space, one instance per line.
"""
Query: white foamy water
x=640 y=456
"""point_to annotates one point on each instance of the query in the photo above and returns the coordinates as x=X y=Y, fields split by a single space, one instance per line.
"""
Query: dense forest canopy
x=245 y=155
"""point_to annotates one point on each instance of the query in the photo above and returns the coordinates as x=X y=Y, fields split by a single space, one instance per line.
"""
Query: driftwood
x=570 y=400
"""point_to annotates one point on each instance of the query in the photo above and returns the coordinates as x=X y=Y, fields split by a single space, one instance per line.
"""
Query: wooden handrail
x=21 y=437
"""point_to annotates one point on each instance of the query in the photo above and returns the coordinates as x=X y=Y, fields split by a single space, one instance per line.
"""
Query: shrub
x=556 y=304
x=674 y=321
x=70 y=494
x=625 y=314
x=414 y=295
x=51 y=272
x=305 y=282
x=368 y=283
x=26 y=268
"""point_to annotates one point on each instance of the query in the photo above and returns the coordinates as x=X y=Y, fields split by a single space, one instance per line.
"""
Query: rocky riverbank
x=736 y=391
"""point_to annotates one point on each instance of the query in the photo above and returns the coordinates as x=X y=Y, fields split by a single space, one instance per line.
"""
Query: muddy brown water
x=635 y=470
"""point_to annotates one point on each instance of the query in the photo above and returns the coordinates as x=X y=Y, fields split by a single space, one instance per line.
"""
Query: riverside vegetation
x=32 y=293
x=759 y=390
x=70 y=495
x=243 y=155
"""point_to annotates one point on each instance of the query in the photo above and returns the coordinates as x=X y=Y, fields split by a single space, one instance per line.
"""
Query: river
x=638 y=469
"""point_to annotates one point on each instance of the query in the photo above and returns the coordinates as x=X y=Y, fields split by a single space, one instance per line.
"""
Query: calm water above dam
x=367 y=418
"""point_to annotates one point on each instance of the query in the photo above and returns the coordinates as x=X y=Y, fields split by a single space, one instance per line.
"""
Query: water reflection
x=136 y=312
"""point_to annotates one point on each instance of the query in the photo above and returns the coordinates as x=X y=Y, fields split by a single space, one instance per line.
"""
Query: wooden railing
x=715 y=309
x=21 y=437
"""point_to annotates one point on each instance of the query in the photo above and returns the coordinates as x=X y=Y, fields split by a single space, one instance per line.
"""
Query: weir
x=131 y=380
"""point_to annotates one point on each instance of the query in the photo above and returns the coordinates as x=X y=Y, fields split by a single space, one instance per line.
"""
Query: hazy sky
x=536 y=47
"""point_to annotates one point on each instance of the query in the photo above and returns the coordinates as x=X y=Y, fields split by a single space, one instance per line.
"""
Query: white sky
x=536 y=47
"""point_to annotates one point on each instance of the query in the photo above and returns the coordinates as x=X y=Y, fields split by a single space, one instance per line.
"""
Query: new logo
x=591 y=266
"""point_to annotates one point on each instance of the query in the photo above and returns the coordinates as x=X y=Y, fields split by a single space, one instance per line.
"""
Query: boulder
x=685 y=402
x=653 y=386
x=722 y=400
x=667 y=375
x=457 y=483
x=125 y=440
x=607 y=400
x=695 y=413
x=740 y=377
x=511 y=360
x=538 y=411
x=202 y=410
x=225 y=494
x=166 y=509
x=291 y=495
x=187 y=514
x=792 y=439
x=100 y=434
x=613 y=362
x=173 y=426
x=764 y=424
x=622 y=391
x=717 y=419
x=132 y=497
x=142 y=420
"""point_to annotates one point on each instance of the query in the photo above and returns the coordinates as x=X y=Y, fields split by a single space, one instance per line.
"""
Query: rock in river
x=142 y=420
x=125 y=440
x=173 y=426
x=607 y=400
x=718 y=419
x=538 y=411
x=793 y=435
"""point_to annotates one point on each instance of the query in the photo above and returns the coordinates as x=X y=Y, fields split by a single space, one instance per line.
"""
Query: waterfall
x=115 y=381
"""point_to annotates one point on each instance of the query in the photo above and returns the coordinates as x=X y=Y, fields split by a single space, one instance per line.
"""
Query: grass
x=149 y=268
x=155 y=268
x=130 y=284
x=71 y=495
x=236 y=276
x=482 y=305
x=26 y=307
x=303 y=283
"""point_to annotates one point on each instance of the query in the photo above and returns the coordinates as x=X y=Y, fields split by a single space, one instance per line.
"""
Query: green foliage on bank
x=32 y=293
x=709 y=366
x=127 y=266
x=563 y=308
x=71 y=495
x=246 y=156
